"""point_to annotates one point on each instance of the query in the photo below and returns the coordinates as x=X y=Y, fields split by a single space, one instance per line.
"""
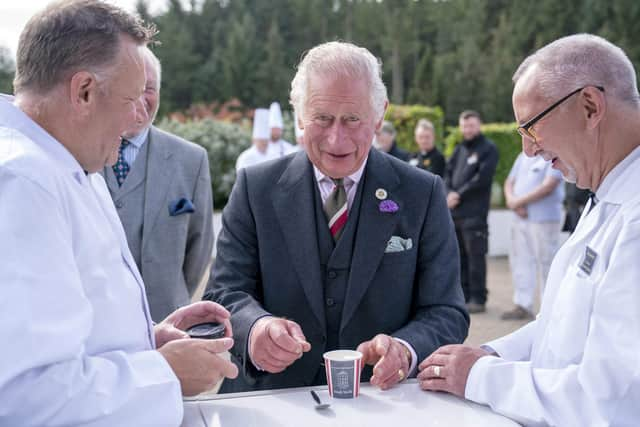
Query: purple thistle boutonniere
x=388 y=206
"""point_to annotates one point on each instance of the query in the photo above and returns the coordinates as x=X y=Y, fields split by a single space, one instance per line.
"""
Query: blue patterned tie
x=121 y=168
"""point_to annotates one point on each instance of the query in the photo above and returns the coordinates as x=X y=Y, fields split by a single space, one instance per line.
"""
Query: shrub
x=405 y=118
x=507 y=141
x=223 y=141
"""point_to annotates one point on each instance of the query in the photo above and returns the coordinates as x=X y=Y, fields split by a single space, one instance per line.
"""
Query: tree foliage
x=7 y=69
x=456 y=54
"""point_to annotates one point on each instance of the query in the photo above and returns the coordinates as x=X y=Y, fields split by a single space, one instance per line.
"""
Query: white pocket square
x=398 y=244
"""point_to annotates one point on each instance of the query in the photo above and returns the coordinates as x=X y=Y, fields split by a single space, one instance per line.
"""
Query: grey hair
x=424 y=124
x=148 y=54
x=387 y=127
x=73 y=35
x=580 y=60
x=339 y=59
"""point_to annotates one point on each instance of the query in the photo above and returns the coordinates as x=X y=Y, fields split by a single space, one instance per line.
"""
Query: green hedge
x=509 y=145
x=405 y=118
x=223 y=141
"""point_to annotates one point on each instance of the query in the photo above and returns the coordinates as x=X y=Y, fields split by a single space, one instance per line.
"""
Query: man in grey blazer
x=337 y=246
x=161 y=188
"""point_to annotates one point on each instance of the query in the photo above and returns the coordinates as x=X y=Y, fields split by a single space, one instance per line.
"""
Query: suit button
x=119 y=204
x=332 y=274
x=330 y=302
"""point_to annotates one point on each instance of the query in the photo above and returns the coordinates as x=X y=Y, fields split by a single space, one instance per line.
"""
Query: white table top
x=405 y=405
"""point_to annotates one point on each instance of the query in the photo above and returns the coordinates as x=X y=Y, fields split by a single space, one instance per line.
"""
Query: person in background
x=161 y=187
x=575 y=201
x=468 y=177
x=79 y=346
x=428 y=156
x=337 y=246
x=259 y=151
x=278 y=147
x=385 y=142
x=577 y=364
x=534 y=192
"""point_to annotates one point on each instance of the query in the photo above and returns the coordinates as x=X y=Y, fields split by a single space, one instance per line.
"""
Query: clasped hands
x=276 y=343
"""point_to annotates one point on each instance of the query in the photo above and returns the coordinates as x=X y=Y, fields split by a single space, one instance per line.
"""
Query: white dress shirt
x=578 y=363
x=77 y=338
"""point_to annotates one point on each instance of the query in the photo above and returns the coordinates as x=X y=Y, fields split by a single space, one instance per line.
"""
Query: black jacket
x=433 y=161
x=398 y=152
x=470 y=173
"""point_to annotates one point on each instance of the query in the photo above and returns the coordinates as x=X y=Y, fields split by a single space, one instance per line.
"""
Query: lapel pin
x=381 y=194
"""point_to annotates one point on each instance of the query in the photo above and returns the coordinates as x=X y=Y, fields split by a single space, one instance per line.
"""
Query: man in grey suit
x=161 y=188
x=337 y=246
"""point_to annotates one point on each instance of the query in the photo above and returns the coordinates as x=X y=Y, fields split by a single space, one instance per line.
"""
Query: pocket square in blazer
x=398 y=244
x=181 y=206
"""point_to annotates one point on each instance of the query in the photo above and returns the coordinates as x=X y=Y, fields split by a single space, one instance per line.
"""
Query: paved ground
x=487 y=326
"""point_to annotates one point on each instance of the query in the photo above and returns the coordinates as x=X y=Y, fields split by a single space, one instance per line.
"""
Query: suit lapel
x=159 y=173
x=293 y=202
x=373 y=231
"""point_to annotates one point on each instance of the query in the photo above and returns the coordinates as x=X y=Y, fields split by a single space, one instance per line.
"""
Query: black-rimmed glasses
x=525 y=129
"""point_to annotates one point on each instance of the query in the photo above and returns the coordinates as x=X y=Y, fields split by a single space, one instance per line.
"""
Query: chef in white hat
x=278 y=146
x=258 y=152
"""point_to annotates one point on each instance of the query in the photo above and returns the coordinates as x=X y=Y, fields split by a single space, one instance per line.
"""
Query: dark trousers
x=473 y=245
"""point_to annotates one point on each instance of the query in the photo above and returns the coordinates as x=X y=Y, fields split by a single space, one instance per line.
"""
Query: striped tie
x=336 y=209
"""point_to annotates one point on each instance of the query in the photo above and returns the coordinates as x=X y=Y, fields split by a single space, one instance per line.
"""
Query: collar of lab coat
x=12 y=117
x=615 y=187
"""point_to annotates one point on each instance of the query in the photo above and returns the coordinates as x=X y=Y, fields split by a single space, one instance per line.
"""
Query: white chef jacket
x=280 y=148
x=251 y=156
x=77 y=338
x=578 y=363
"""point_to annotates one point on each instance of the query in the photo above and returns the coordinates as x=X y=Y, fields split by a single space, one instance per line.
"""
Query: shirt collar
x=614 y=187
x=354 y=177
x=13 y=117
x=140 y=138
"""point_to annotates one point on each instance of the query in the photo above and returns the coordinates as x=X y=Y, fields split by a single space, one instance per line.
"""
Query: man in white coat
x=278 y=146
x=78 y=343
x=578 y=363
x=259 y=151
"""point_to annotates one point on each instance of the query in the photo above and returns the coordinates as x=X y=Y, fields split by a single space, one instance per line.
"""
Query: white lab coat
x=578 y=363
x=77 y=339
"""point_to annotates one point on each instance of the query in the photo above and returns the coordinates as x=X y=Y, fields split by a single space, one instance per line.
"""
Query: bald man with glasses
x=578 y=362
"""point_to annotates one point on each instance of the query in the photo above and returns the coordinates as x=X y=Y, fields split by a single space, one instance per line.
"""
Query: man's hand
x=521 y=212
x=389 y=357
x=176 y=323
x=447 y=368
x=196 y=363
x=514 y=203
x=276 y=343
x=453 y=200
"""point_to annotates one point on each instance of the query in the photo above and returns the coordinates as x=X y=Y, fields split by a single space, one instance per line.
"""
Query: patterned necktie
x=121 y=168
x=336 y=209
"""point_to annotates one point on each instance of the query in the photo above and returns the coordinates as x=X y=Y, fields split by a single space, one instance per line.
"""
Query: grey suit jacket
x=175 y=249
x=268 y=263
